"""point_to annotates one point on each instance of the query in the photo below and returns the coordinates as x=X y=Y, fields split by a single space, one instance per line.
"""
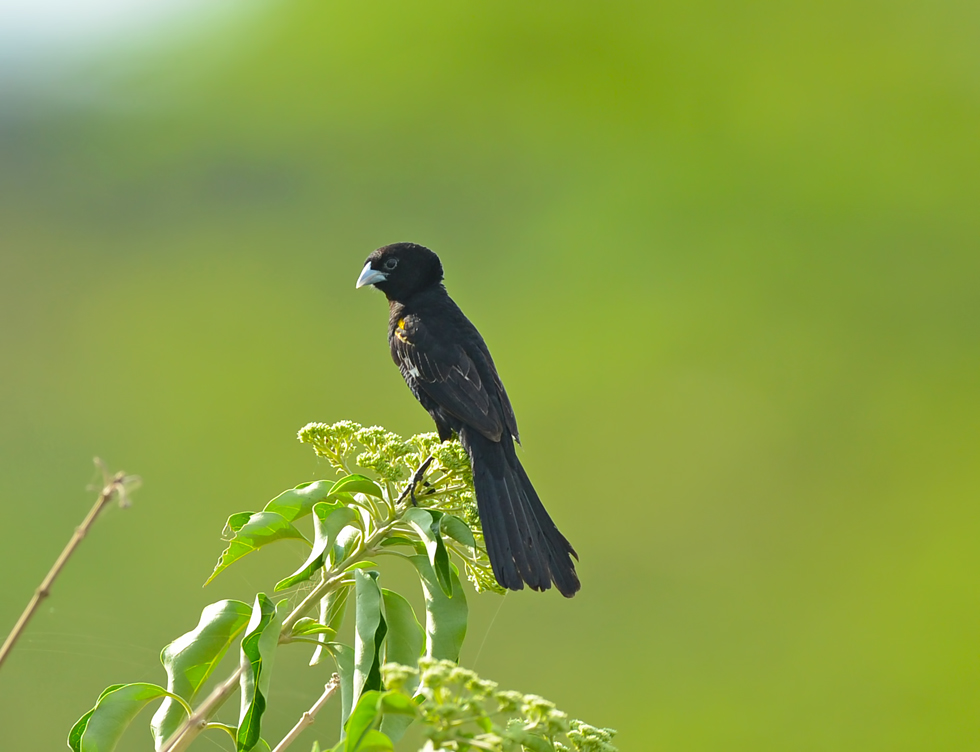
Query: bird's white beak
x=370 y=276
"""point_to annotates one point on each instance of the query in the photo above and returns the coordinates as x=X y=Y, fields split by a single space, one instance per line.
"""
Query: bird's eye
x=390 y=263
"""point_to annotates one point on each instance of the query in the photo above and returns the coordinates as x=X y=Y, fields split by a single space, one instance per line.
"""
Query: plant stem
x=306 y=720
x=196 y=723
x=334 y=577
x=114 y=486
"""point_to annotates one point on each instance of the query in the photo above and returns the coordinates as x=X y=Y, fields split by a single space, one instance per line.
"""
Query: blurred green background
x=727 y=258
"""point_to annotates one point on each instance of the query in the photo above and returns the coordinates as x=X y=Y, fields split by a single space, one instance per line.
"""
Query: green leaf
x=343 y=655
x=458 y=530
x=361 y=735
x=232 y=731
x=101 y=728
x=329 y=518
x=298 y=502
x=536 y=743
x=347 y=539
x=336 y=607
x=76 y=732
x=191 y=658
x=445 y=618
x=308 y=626
x=360 y=565
x=374 y=741
x=253 y=532
x=333 y=606
x=397 y=540
x=235 y=523
x=427 y=522
x=258 y=651
x=366 y=713
x=357 y=484
x=316 y=747
x=369 y=629
x=406 y=638
x=403 y=644
x=398 y=703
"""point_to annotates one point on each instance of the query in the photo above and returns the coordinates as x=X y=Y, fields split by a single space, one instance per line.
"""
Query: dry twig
x=118 y=486
x=306 y=720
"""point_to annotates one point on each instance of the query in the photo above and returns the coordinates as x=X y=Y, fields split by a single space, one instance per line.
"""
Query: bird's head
x=400 y=270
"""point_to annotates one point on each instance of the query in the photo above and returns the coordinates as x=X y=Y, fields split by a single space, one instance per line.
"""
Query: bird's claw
x=415 y=480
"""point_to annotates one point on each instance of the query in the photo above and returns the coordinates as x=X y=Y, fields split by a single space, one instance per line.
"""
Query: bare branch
x=117 y=486
x=198 y=721
x=306 y=720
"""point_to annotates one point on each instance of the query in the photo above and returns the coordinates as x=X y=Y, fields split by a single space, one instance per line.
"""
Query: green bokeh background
x=727 y=258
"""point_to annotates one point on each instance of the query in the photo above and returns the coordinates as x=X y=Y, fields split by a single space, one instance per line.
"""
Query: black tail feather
x=535 y=571
x=522 y=541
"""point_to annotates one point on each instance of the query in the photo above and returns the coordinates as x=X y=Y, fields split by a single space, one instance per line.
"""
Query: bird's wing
x=444 y=371
x=509 y=418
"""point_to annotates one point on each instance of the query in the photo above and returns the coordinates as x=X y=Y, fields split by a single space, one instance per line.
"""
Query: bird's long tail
x=522 y=541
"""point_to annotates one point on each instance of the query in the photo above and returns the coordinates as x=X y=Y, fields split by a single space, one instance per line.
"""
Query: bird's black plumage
x=447 y=365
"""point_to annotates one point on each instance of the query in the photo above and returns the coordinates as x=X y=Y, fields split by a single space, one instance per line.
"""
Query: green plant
x=420 y=507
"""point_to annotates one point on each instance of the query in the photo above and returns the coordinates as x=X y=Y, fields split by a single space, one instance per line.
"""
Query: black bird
x=447 y=365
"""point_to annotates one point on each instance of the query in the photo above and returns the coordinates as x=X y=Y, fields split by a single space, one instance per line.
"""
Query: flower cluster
x=339 y=442
x=462 y=711
x=586 y=738
x=448 y=485
x=347 y=444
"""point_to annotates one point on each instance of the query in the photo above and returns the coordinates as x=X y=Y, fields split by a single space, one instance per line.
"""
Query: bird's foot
x=414 y=481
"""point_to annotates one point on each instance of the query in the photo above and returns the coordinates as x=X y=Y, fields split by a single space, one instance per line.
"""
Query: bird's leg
x=414 y=481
